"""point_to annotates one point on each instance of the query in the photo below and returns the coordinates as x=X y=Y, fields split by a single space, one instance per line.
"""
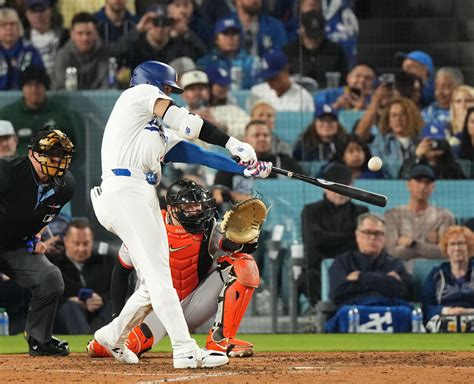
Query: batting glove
x=243 y=151
x=260 y=169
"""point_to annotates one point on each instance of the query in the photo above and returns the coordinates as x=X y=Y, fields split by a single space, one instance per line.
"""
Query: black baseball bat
x=342 y=189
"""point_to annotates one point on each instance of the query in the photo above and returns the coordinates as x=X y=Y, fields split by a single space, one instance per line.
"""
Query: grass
x=301 y=342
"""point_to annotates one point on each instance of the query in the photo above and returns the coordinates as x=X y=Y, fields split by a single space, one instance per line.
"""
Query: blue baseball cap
x=419 y=171
x=435 y=130
x=41 y=4
x=225 y=24
x=218 y=75
x=325 y=110
x=421 y=57
x=274 y=61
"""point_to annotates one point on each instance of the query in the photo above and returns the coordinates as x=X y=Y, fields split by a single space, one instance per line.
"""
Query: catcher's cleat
x=232 y=347
x=240 y=348
x=54 y=347
x=94 y=349
x=140 y=340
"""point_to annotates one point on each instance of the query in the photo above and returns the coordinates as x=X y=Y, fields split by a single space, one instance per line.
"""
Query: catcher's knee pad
x=238 y=292
x=140 y=339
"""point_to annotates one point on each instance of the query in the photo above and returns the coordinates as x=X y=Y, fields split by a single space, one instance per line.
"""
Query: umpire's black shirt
x=26 y=206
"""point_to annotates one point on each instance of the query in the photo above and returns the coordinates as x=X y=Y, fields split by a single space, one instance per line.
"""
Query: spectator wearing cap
x=197 y=87
x=8 y=139
x=84 y=51
x=322 y=139
x=328 y=227
x=34 y=109
x=420 y=64
x=320 y=55
x=278 y=88
x=434 y=150
x=446 y=80
x=356 y=95
x=229 y=55
x=45 y=36
x=414 y=230
x=114 y=21
x=260 y=31
x=16 y=53
x=154 y=42
x=226 y=112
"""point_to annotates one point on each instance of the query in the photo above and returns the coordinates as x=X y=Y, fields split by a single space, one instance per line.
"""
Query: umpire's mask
x=54 y=151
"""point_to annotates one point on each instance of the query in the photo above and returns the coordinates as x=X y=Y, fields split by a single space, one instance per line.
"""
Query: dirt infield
x=373 y=367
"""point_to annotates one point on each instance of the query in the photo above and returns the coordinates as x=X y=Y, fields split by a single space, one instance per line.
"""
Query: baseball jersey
x=134 y=137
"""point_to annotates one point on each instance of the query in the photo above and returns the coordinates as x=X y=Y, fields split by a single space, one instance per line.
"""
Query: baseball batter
x=135 y=141
x=212 y=274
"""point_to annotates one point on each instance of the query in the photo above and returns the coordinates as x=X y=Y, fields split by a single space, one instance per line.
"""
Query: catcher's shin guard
x=139 y=341
x=233 y=302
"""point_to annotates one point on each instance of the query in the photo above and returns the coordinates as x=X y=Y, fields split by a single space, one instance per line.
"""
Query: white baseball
x=375 y=163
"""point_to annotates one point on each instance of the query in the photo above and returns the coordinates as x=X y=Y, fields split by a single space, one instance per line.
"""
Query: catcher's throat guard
x=241 y=224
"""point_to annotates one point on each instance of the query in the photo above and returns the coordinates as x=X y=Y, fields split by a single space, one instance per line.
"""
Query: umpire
x=33 y=189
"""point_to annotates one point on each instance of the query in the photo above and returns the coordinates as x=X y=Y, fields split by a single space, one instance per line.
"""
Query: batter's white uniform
x=201 y=304
x=134 y=144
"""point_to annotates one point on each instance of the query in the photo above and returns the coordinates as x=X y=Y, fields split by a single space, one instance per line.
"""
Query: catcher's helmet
x=191 y=204
x=54 y=151
x=156 y=73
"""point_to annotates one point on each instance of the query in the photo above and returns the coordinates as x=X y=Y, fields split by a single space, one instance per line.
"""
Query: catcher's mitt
x=241 y=224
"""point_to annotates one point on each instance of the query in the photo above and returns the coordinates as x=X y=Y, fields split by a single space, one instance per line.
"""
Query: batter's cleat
x=120 y=352
x=200 y=358
x=239 y=348
x=94 y=349
x=140 y=340
x=54 y=347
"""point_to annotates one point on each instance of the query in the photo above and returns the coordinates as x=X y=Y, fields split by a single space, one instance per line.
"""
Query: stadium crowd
x=285 y=56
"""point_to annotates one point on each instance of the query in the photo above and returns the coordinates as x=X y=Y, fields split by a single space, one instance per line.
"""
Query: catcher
x=211 y=269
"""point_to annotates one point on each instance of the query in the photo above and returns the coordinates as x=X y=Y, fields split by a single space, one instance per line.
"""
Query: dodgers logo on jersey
x=154 y=126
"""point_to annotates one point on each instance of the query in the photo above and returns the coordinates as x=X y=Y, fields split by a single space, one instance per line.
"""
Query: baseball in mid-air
x=375 y=163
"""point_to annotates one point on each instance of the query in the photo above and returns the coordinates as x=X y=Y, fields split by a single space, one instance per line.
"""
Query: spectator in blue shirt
x=260 y=32
x=446 y=80
x=420 y=64
x=16 y=53
x=229 y=55
x=114 y=21
x=357 y=93
x=449 y=288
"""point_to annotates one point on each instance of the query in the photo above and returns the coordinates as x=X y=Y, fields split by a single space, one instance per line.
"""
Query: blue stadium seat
x=290 y=125
x=312 y=168
x=347 y=118
x=325 y=265
x=421 y=270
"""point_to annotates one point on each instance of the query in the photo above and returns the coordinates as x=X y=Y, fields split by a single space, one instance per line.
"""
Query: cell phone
x=355 y=91
x=85 y=293
x=388 y=79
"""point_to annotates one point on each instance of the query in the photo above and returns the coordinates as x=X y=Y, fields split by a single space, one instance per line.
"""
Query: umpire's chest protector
x=184 y=260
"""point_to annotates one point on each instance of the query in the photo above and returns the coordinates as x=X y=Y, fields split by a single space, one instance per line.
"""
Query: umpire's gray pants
x=46 y=283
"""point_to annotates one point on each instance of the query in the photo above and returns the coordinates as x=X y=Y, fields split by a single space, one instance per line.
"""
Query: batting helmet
x=156 y=73
x=191 y=204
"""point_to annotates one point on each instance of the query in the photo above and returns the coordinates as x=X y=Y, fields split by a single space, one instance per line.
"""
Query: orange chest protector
x=184 y=259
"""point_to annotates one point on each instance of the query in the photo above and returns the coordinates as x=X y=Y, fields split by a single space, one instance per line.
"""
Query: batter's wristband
x=213 y=135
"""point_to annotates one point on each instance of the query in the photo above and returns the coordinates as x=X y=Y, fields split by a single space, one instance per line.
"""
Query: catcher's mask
x=191 y=204
x=54 y=151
